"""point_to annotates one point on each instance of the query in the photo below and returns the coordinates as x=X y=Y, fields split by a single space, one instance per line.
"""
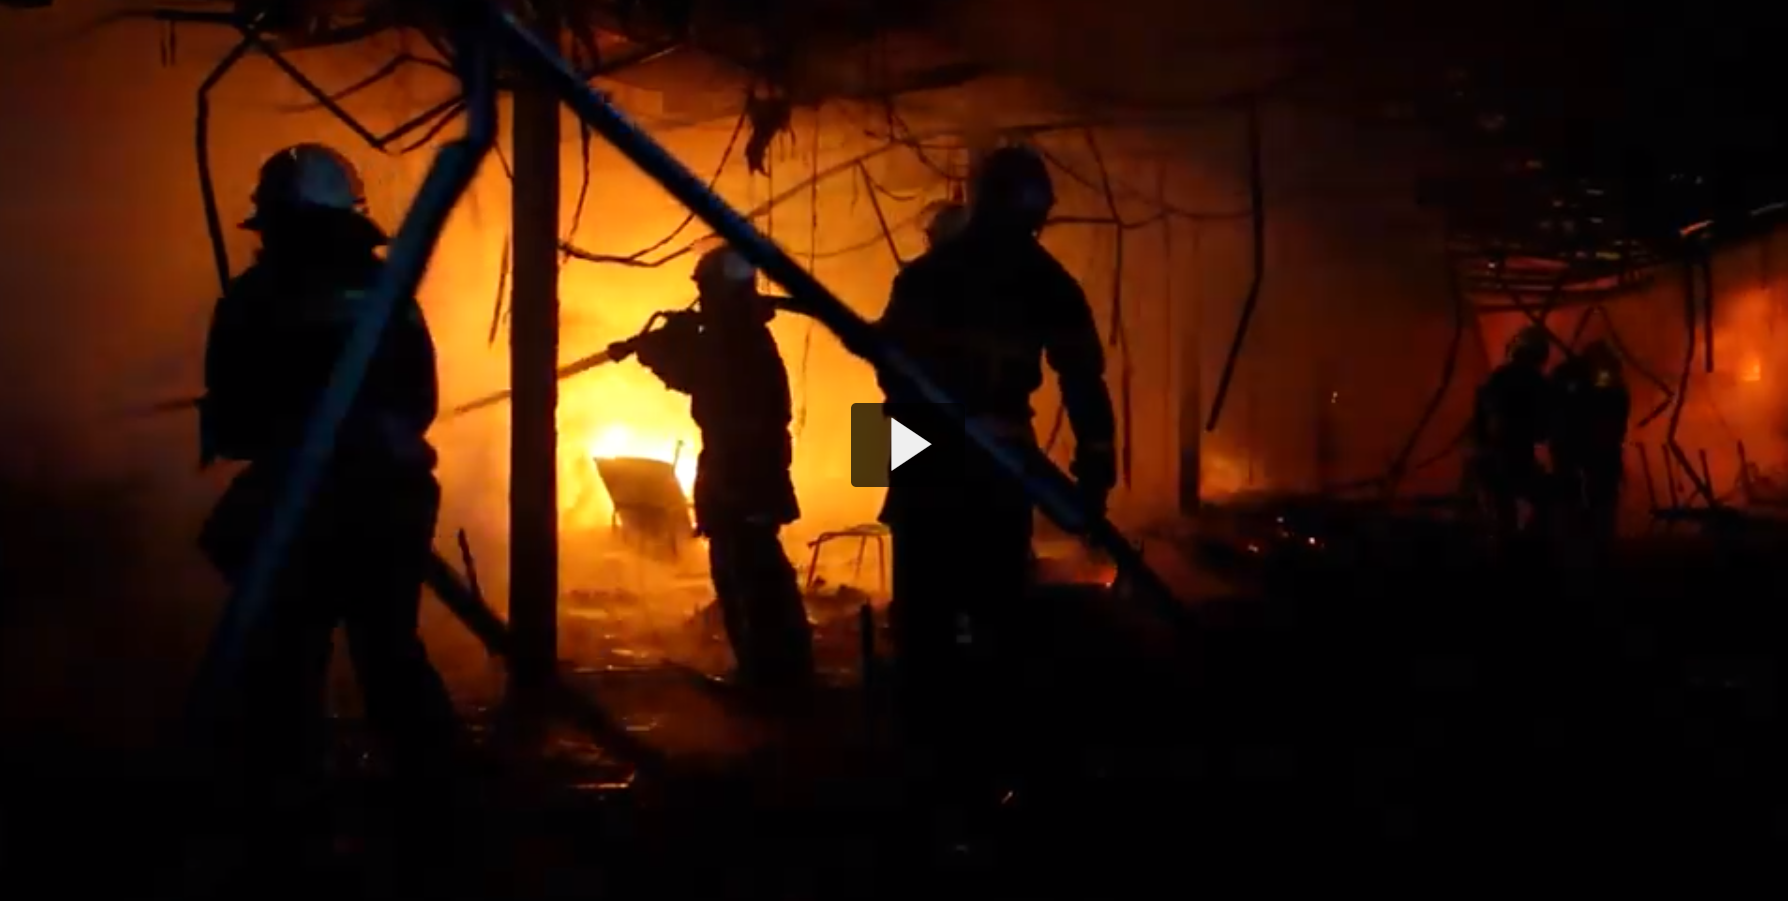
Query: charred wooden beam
x=534 y=383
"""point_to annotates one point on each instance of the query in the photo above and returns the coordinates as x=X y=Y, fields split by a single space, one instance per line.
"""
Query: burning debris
x=666 y=610
x=622 y=628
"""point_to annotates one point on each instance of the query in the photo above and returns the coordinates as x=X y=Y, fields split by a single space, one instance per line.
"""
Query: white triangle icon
x=903 y=444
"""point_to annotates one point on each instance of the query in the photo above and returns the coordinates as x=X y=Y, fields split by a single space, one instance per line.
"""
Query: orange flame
x=623 y=441
x=1752 y=371
x=617 y=411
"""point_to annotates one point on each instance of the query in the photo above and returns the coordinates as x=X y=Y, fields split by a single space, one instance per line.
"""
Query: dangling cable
x=584 y=136
x=881 y=219
x=1400 y=465
x=637 y=258
x=812 y=261
x=1257 y=232
x=1060 y=421
x=496 y=313
x=1118 y=339
x=220 y=254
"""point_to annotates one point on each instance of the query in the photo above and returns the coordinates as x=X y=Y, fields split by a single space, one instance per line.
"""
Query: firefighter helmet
x=1532 y=345
x=1012 y=184
x=944 y=220
x=726 y=284
x=721 y=269
x=308 y=178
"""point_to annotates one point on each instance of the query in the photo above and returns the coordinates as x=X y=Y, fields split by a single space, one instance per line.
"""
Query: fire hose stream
x=614 y=353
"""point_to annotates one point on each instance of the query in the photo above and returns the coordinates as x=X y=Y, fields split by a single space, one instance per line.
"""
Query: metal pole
x=1052 y=491
x=534 y=381
x=453 y=170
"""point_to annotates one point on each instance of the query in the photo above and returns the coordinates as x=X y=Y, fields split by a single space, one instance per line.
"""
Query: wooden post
x=534 y=432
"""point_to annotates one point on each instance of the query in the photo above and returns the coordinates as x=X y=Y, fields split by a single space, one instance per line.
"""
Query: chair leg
x=813 y=566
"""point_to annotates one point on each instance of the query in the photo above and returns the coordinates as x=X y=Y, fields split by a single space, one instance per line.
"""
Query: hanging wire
x=900 y=133
x=1097 y=183
x=812 y=261
x=761 y=211
x=884 y=190
x=637 y=259
x=1119 y=338
x=386 y=70
x=881 y=219
x=1257 y=220
x=584 y=136
x=1400 y=465
x=497 y=315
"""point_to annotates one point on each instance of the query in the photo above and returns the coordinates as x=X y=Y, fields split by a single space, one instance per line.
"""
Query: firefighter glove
x=667 y=340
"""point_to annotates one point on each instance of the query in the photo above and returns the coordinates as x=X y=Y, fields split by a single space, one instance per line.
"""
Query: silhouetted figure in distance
x=1511 y=418
x=1589 y=432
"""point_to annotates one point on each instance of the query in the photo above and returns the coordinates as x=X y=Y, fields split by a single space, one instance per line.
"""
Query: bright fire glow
x=623 y=441
x=617 y=411
x=1752 y=370
x=583 y=500
x=1223 y=475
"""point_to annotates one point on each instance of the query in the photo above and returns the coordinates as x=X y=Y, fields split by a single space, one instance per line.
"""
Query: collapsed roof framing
x=466 y=47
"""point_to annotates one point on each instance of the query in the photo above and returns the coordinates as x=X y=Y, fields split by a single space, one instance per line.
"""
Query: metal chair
x=864 y=534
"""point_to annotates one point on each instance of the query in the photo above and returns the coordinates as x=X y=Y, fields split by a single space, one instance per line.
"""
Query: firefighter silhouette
x=1511 y=419
x=981 y=313
x=1591 y=406
x=360 y=559
x=725 y=358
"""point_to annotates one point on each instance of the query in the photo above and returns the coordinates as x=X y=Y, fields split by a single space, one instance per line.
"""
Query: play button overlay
x=881 y=444
x=903 y=443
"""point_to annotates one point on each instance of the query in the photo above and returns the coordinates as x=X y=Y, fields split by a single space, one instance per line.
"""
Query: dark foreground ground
x=1423 y=715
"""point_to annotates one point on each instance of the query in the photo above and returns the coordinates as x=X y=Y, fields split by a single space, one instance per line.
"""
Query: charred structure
x=1306 y=240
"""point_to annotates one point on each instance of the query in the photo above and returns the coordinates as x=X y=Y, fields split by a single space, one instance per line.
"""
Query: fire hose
x=614 y=353
x=617 y=352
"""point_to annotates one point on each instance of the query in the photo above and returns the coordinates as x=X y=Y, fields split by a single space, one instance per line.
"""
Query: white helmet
x=723 y=267
x=306 y=177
